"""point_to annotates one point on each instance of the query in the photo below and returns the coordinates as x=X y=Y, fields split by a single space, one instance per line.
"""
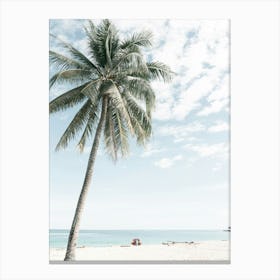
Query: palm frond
x=121 y=133
x=130 y=61
x=108 y=47
x=91 y=90
x=67 y=99
x=117 y=101
x=76 y=54
x=159 y=70
x=141 y=39
x=141 y=90
x=139 y=119
x=70 y=76
x=103 y=42
x=75 y=126
x=90 y=30
x=110 y=133
x=65 y=63
x=90 y=126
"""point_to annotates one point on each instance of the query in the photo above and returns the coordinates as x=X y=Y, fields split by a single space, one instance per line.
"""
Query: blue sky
x=181 y=179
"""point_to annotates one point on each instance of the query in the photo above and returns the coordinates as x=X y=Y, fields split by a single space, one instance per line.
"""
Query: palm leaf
x=108 y=47
x=90 y=30
x=77 y=54
x=91 y=90
x=103 y=42
x=70 y=76
x=65 y=63
x=117 y=101
x=75 y=126
x=141 y=90
x=68 y=99
x=90 y=126
x=139 y=119
x=141 y=39
x=121 y=133
x=110 y=133
x=130 y=61
x=159 y=70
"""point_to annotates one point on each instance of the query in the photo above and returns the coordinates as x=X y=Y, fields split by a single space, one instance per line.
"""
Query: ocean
x=102 y=238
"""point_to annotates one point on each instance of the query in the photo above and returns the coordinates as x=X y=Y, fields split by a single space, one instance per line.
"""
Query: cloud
x=163 y=111
x=214 y=107
x=67 y=28
x=219 y=126
x=178 y=140
x=218 y=100
x=189 y=99
x=151 y=149
x=220 y=150
x=200 y=64
x=70 y=31
x=168 y=162
x=181 y=132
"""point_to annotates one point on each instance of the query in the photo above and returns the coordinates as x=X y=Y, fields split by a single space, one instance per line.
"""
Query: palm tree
x=112 y=84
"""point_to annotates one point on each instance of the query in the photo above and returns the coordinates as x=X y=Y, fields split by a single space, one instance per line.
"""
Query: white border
x=254 y=138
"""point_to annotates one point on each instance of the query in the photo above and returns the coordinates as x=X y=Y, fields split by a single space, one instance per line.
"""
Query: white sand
x=203 y=250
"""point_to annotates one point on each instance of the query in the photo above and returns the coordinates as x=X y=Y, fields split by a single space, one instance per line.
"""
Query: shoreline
x=217 y=250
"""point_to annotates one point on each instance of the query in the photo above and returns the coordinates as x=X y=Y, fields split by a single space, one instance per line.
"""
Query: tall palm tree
x=112 y=84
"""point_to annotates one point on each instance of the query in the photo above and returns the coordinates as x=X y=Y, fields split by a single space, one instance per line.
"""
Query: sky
x=180 y=180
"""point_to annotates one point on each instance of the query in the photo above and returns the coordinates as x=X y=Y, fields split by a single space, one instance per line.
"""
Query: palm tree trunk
x=73 y=235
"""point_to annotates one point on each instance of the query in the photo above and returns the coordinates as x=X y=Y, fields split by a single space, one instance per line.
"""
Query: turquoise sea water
x=58 y=238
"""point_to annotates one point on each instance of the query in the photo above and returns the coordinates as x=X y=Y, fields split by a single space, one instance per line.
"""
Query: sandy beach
x=197 y=251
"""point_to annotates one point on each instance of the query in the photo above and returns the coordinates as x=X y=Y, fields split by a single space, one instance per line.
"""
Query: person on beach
x=136 y=242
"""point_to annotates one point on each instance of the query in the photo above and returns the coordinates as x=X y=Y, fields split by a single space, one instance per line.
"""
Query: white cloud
x=218 y=99
x=151 y=149
x=214 y=107
x=167 y=162
x=181 y=132
x=163 y=111
x=189 y=99
x=219 y=126
x=210 y=47
x=221 y=91
x=220 y=150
